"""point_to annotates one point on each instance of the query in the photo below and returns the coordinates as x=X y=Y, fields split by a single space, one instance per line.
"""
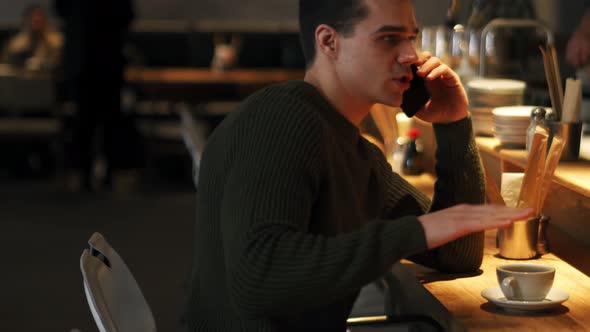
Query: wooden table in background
x=207 y=76
x=201 y=86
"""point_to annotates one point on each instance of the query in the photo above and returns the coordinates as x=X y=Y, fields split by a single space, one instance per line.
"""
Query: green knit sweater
x=296 y=212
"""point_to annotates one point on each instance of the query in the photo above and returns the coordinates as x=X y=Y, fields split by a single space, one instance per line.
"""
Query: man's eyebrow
x=394 y=28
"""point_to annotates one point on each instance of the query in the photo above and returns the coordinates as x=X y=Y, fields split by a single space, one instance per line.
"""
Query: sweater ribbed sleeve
x=296 y=213
x=459 y=180
x=274 y=265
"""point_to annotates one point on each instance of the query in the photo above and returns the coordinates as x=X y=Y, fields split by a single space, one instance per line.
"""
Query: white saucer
x=553 y=300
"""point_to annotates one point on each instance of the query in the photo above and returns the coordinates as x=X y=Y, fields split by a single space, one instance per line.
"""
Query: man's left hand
x=448 y=101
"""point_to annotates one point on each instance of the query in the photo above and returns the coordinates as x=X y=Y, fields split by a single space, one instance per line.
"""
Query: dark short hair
x=342 y=15
x=30 y=9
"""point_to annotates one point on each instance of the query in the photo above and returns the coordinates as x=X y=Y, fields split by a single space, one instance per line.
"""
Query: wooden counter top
x=567 y=204
x=461 y=295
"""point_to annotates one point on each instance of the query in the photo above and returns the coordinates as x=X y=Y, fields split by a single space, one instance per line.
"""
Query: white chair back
x=114 y=297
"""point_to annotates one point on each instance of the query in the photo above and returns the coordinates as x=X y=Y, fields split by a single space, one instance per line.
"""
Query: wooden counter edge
x=477 y=314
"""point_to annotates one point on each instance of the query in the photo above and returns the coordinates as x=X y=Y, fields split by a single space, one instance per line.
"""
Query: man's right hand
x=452 y=223
x=448 y=100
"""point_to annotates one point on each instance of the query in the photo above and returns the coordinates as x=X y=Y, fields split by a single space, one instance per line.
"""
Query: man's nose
x=408 y=54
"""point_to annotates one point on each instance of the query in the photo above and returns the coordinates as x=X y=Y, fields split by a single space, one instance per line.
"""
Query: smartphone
x=416 y=96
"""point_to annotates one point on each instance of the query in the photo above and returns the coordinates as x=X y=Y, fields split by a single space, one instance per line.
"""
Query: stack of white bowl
x=485 y=94
x=510 y=125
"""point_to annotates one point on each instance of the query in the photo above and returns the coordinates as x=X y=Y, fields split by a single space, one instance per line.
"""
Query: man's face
x=374 y=62
x=37 y=21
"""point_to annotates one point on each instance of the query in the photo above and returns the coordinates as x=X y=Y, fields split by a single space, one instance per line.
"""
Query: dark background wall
x=219 y=10
x=560 y=16
x=210 y=10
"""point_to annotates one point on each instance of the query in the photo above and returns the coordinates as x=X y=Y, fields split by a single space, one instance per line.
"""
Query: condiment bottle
x=537 y=119
x=413 y=159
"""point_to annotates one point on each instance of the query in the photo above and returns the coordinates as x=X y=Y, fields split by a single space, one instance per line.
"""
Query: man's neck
x=36 y=36
x=351 y=107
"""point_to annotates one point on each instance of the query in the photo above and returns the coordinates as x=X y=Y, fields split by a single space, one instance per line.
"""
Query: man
x=36 y=47
x=297 y=212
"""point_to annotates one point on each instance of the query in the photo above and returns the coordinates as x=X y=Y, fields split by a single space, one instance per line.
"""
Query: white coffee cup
x=525 y=281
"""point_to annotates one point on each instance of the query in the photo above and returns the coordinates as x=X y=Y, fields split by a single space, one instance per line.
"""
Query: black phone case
x=416 y=96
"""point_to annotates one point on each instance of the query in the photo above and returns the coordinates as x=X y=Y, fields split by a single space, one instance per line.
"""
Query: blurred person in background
x=578 y=46
x=37 y=46
x=93 y=72
x=577 y=54
x=30 y=58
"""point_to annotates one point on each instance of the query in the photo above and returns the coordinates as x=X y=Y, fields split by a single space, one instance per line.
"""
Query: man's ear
x=327 y=40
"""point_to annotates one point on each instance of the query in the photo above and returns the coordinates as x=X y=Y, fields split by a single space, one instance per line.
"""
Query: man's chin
x=393 y=102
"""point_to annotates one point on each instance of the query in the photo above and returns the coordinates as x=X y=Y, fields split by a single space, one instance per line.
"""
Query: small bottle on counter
x=537 y=119
x=413 y=160
x=399 y=152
